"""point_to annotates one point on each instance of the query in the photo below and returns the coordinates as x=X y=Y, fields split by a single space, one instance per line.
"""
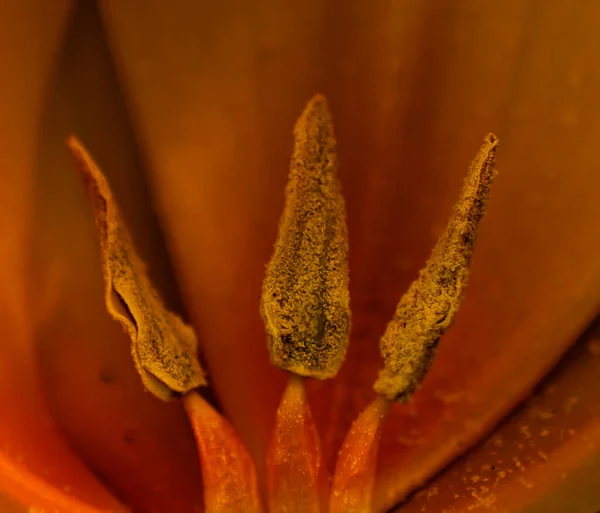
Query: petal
x=544 y=458
x=7 y=505
x=143 y=449
x=37 y=466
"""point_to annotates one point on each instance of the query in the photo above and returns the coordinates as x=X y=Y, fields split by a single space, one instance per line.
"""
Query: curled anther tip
x=492 y=138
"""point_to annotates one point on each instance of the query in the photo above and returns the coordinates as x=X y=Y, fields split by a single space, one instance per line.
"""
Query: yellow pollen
x=163 y=347
x=428 y=308
x=305 y=301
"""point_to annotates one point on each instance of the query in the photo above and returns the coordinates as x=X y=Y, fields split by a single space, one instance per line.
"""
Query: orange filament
x=354 y=478
x=228 y=473
x=296 y=478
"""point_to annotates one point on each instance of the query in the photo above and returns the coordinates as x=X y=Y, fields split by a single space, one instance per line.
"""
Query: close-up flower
x=320 y=256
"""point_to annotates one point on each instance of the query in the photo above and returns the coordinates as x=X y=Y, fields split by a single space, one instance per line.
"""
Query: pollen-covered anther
x=163 y=347
x=305 y=299
x=428 y=308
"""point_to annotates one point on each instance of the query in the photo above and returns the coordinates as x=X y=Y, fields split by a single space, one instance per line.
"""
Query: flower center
x=306 y=309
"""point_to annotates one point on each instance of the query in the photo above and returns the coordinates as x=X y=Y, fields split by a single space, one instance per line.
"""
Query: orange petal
x=228 y=473
x=7 y=505
x=37 y=467
x=143 y=449
x=296 y=476
x=544 y=458
x=355 y=471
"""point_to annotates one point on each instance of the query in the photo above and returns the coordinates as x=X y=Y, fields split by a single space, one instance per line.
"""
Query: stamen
x=163 y=347
x=228 y=473
x=305 y=300
x=428 y=308
x=296 y=477
x=354 y=479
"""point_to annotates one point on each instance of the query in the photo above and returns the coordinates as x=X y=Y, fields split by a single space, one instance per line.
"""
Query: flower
x=213 y=91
